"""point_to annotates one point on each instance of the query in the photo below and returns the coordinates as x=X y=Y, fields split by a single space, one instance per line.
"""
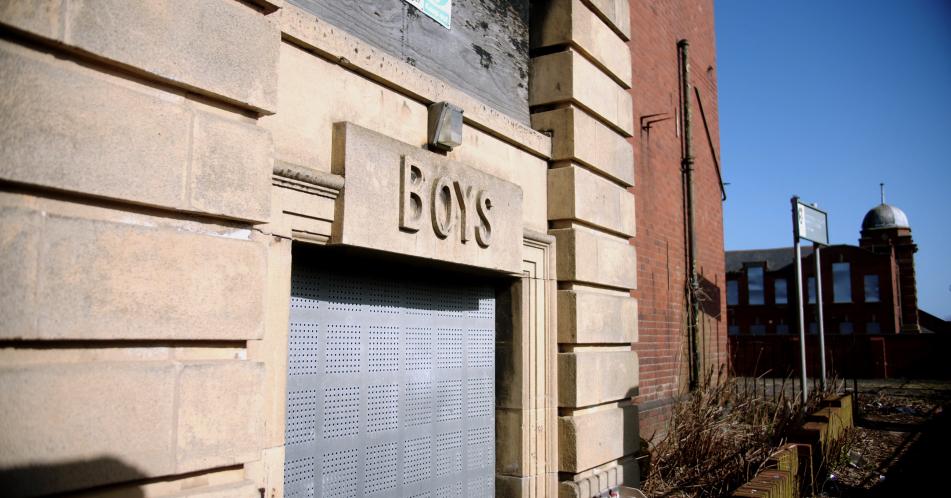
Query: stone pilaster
x=578 y=95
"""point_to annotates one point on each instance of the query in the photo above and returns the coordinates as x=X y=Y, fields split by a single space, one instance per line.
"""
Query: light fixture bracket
x=445 y=126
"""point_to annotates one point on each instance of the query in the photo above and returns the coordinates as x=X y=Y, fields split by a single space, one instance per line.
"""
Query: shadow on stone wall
x=44 y=479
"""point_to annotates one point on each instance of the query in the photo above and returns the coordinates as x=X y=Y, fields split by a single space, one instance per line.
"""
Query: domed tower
x=885 y=230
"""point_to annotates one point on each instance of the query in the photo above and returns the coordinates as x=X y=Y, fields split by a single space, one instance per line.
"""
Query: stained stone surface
x=435 y=224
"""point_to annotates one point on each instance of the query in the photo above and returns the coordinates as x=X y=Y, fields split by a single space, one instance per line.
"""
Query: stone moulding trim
x=542 y=238
x=314 y=35
x=314 y=238
x=307 y=180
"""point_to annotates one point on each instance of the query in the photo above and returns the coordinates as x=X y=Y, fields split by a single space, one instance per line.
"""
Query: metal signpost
x=821 y=327
x=811 y=224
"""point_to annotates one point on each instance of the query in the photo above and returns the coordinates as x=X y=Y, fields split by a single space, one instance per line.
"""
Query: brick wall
x=656 y=27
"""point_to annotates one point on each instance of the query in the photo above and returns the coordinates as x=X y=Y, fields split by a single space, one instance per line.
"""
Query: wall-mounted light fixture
x=445 y=126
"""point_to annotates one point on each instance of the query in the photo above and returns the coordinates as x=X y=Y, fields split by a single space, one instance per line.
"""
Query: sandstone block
x=303 y=125
x=522 y=443
x=220 y=414
x=576 y=194
x=592 y=378
x=576 y=136
x=537 y=486
x=120 y=143
x=268 y=472
x=215 y=46
x=125 y=141
x=240 y=489
x=592 y=318
x=564 y=22
x=586 y=441
x=40 y=17
x=19 y=247
x=103 y=280
x=617 y=13
x=271 y=351
x=231 y=168
x=568 y=77
x=111 y=421
x=202 y=45
x=590 y=257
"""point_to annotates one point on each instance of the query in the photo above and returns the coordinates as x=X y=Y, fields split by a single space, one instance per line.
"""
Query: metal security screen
x=390 y=388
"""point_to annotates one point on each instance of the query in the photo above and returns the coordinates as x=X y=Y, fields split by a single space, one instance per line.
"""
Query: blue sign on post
x=440 y=10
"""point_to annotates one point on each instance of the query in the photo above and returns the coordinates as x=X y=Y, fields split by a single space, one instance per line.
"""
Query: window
x=873 y=327
x=812 y=290
x=813 y=328
x=732 y=293
x=780 y=287
x=841 y=283
x=845 y=328
x=757 y=329
x=733 y=329
x=871 y=288
x=782 y=329
x=754 y=284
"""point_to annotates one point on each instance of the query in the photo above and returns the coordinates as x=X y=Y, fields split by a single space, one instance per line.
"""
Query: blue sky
x=825 y=100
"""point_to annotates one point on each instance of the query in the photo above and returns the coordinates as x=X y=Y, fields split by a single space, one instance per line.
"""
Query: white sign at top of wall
x=440 y=10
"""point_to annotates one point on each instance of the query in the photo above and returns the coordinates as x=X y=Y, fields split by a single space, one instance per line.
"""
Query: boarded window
x=871 y=289
x=841 y=283
x=485 y=54
x=754 y=285
x=779 y=285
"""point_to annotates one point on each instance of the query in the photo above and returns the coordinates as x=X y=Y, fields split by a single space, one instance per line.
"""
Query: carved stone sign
x=403 y=199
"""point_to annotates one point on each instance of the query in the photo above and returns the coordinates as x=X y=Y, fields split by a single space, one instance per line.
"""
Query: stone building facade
x=236 y=261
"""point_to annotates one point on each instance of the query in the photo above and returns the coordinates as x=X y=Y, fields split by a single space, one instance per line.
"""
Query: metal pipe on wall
x=687 y=168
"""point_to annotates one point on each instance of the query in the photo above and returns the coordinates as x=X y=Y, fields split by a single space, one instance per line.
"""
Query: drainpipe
x=687 y=168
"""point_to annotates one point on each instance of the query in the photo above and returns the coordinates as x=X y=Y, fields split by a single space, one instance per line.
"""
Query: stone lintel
x=403 y=199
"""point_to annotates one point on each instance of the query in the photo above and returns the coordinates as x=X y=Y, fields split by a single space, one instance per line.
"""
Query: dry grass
x=718 y=438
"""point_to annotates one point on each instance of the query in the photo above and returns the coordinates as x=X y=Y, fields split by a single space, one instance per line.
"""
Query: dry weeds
x=718 y=438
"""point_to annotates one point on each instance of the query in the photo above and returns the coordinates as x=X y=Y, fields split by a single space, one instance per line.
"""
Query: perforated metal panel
x=390 y=388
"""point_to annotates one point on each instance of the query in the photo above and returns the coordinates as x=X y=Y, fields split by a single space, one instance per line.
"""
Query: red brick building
x=662 y=234
x=866 y=289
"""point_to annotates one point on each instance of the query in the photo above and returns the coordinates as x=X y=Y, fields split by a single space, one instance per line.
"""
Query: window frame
x=762 y=286
x=843 y=286
x=878 y=288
